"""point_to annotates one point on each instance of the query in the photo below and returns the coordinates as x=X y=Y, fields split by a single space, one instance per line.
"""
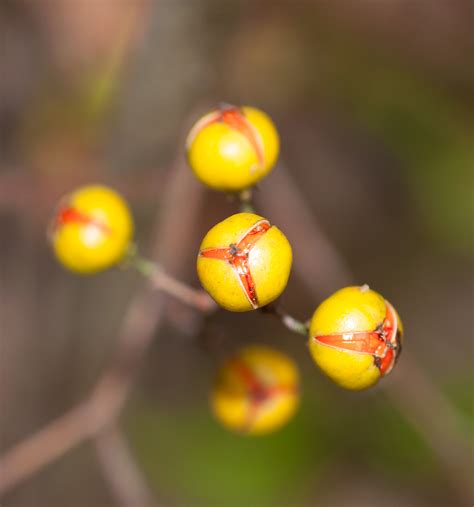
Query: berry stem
x=163 y=281
x=245 y=198
x=286 y=319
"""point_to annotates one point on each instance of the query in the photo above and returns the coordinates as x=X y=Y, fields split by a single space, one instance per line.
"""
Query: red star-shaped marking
x=383 y=343
x=237 y=255
x=257 y=391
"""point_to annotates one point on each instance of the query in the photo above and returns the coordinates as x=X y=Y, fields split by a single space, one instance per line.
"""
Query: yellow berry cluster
x=243 y=263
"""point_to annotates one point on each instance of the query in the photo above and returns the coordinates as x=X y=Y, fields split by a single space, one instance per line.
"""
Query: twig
x=286 y=319
x=161 y=280
x=121 y=470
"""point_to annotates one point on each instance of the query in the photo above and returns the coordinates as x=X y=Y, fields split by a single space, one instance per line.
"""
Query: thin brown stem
x=161 y=280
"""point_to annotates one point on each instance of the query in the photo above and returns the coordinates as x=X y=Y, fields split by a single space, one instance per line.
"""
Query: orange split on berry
x=356 y=337
x=232 y=148
x=235 y=118
x=384 y=343
x=238 y=257
x=68 y=215
x=91 y=229
x=256 y=391
x=244 y=262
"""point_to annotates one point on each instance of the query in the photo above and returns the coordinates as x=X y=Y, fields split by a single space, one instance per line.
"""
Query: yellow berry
x=244 y=262
x=91 y=229
x=256 y=391
x=355 y=337
x=232 y=148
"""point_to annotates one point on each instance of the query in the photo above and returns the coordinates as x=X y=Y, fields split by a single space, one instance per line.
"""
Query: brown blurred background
x=374 y=104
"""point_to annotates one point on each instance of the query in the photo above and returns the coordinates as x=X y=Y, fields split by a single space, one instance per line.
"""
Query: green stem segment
x=287 y=320
x=245 y=198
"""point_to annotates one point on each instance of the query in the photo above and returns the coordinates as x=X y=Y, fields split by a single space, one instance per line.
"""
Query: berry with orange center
x=355 y=337
x=91 y=229
x=244 y=262
x=232 y=148
x=256 y=391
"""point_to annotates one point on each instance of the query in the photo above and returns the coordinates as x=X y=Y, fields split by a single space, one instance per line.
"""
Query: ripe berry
x=355 y=337
x=244 y=262
x=91 y=229
x=232 y=148
x=256 y=391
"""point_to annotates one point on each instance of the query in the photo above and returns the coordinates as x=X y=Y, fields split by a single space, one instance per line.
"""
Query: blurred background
x=374 y=104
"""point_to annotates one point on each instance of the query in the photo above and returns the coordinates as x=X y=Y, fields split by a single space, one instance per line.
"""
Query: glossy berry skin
x=244 y=262
x=256 y=391
x=232 y=148
x=355 y=337
x=91 y=229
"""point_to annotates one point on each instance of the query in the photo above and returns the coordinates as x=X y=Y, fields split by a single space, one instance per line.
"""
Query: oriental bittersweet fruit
x=244 y=262
x=91 y=229
x=256 y=391
x=232 y=148
x=355 y=337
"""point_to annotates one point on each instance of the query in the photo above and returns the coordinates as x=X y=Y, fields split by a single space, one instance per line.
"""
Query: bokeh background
x=374 y=104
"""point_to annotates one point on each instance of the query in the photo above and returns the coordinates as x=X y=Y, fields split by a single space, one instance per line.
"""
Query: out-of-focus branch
x=120 y=469
x=321 y=268
x=45 y=446
x=433 y=416
x=177 y=247
x=317 y=262
x=101 y=410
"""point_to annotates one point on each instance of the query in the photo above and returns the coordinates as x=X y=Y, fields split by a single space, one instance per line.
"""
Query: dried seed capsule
x=256 y=391
x=91 y=229
x=232 y=148
x=244 y=262
x=355 y=337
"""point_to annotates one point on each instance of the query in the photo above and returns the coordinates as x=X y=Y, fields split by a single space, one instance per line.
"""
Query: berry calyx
x=91 y=229
x=256 y=391
x=355 y=337
x=244 y=262
x=232 y=148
